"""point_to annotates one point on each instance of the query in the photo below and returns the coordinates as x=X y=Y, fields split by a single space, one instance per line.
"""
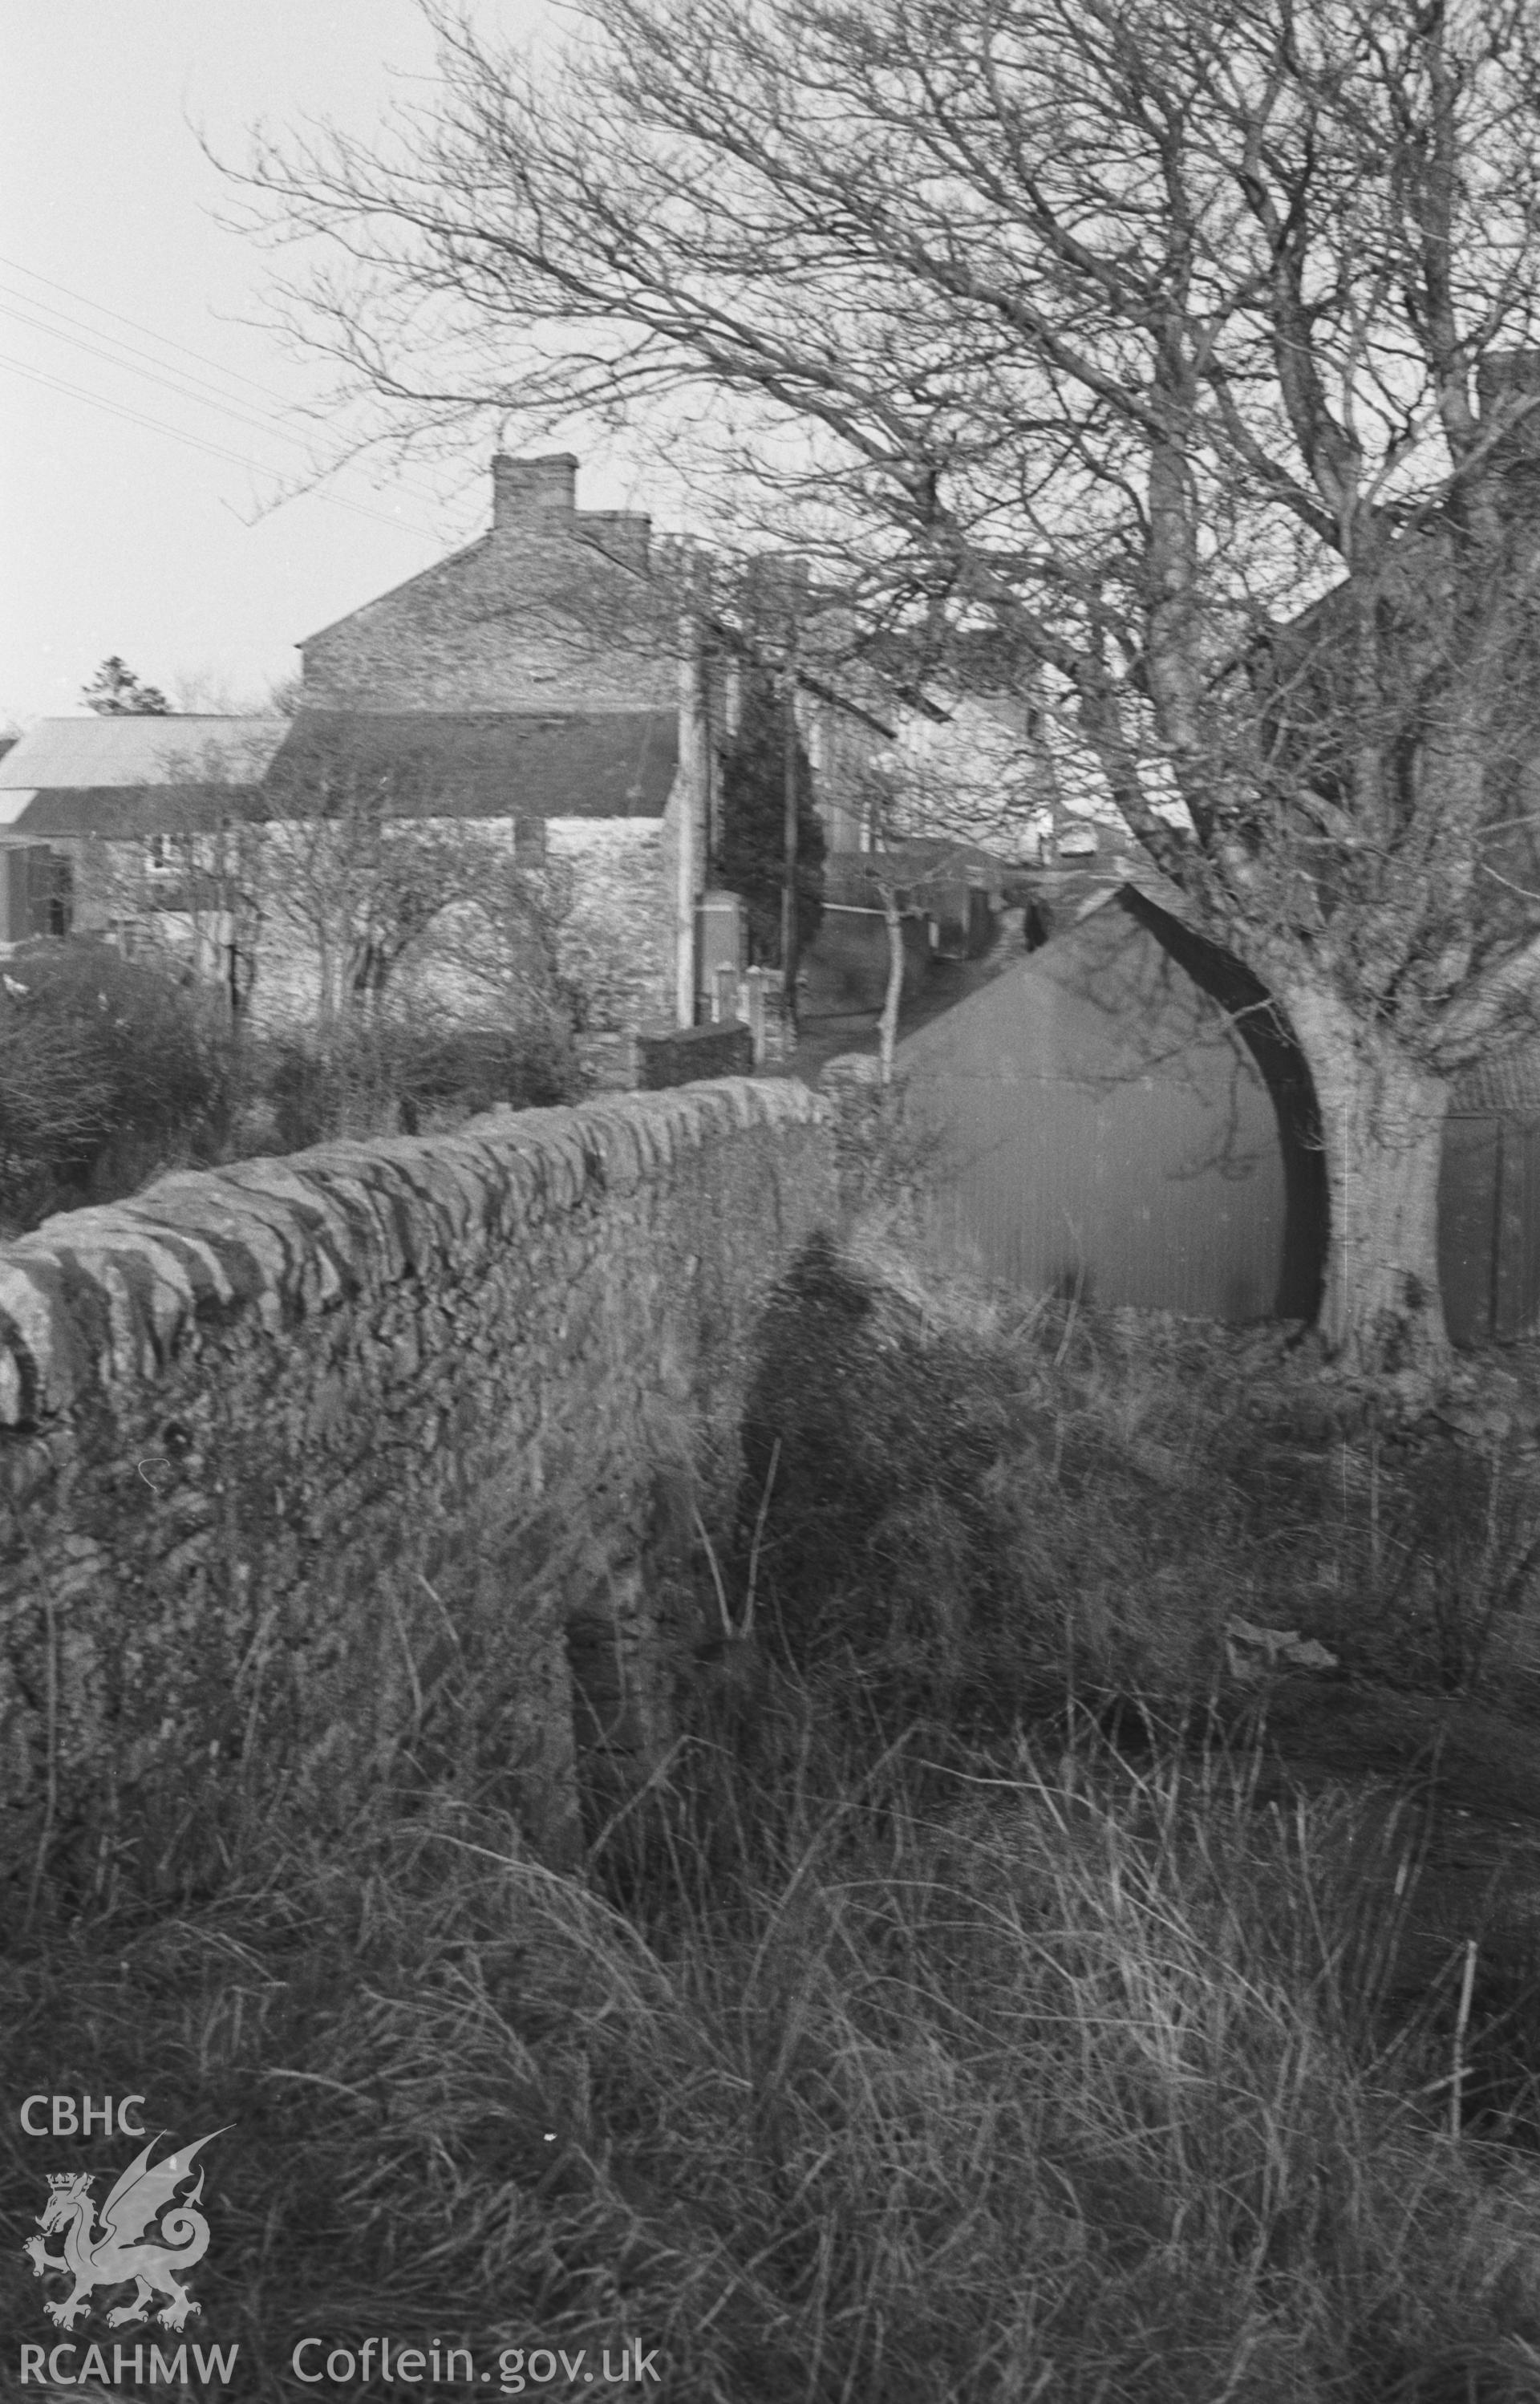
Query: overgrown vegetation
x=982 y=1504
x=395 y=1078
x=112 y=1070
x=108 y=1070
x=969 y=2006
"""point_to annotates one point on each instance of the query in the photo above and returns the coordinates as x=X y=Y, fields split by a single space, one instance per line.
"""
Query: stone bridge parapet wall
x=379 y=1462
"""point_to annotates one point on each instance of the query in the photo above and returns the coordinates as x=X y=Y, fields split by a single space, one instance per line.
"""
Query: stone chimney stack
x=775 y=593
x=624 y=535
x=535 y=495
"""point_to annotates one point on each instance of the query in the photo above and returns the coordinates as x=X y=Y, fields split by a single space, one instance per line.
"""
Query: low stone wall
x=377 y=1462
x=683 y=1053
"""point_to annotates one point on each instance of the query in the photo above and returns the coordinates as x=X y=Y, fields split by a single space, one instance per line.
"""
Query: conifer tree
x=751 y=852
x=116 y=691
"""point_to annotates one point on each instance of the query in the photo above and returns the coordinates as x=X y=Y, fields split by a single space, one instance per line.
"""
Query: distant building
x=557 y=685
x=557 y=681
x=111 y=826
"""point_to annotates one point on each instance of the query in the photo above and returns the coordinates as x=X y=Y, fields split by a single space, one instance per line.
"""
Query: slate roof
x=494 y=763
x=124 y=813
x=86 y=753
x=131 y=775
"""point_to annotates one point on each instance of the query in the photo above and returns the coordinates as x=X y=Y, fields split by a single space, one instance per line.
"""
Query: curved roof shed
x=1115 y=1114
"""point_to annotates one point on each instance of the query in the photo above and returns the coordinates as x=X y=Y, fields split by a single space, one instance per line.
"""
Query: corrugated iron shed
x=1102 y=1128
x=1102 y=1122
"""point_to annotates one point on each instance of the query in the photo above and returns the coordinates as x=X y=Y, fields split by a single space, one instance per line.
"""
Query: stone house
x=279 y=858
x=577 y=614
x=126 y=828
x=550 y=675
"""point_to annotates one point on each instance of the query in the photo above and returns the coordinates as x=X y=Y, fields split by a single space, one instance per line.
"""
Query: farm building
x=1112 y=1115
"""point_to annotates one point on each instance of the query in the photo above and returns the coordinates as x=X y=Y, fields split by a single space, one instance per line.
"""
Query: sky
x=147 y=425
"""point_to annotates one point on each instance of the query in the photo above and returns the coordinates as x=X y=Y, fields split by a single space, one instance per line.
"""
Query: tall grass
x=1060 y=2082
x=924 y=2027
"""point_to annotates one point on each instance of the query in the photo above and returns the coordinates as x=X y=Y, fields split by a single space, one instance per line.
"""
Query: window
x=530 y=843
x=50 y=891
x=158 y=859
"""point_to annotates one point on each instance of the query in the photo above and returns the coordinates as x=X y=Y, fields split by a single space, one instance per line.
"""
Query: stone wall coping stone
x=848 y=1068
x=106 y=1294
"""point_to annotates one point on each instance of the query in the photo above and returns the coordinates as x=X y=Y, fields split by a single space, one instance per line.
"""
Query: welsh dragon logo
x=119 y=2250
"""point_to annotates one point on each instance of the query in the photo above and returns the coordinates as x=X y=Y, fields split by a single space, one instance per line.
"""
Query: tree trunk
x=1382 y=1131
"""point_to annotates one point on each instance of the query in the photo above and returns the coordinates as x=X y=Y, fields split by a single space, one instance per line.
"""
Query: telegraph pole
x=789 y=886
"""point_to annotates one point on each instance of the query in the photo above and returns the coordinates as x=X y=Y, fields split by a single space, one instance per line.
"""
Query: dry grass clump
x=1068 y=2087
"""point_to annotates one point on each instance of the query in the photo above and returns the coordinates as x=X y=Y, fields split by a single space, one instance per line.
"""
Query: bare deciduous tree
x=366 y=863
x=177 y=883
x=329 y=880
x=1189 y=347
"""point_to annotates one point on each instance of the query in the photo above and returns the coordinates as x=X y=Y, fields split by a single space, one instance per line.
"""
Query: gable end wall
x=521 y=620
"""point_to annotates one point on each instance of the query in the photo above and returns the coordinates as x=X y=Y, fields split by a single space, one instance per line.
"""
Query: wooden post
x=892 y=1000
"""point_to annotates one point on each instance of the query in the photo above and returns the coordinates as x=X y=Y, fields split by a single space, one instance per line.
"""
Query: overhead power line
x=196 y=442
x=264 y=424
x=234 y=374
x=122 y=352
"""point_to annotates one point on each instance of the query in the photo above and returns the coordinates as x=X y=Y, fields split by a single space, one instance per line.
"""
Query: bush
x=471 y=1069
x=395 y=1079
x=109 y=1069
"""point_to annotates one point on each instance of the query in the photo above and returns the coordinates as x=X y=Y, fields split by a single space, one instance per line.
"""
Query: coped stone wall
x=380 y=1461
